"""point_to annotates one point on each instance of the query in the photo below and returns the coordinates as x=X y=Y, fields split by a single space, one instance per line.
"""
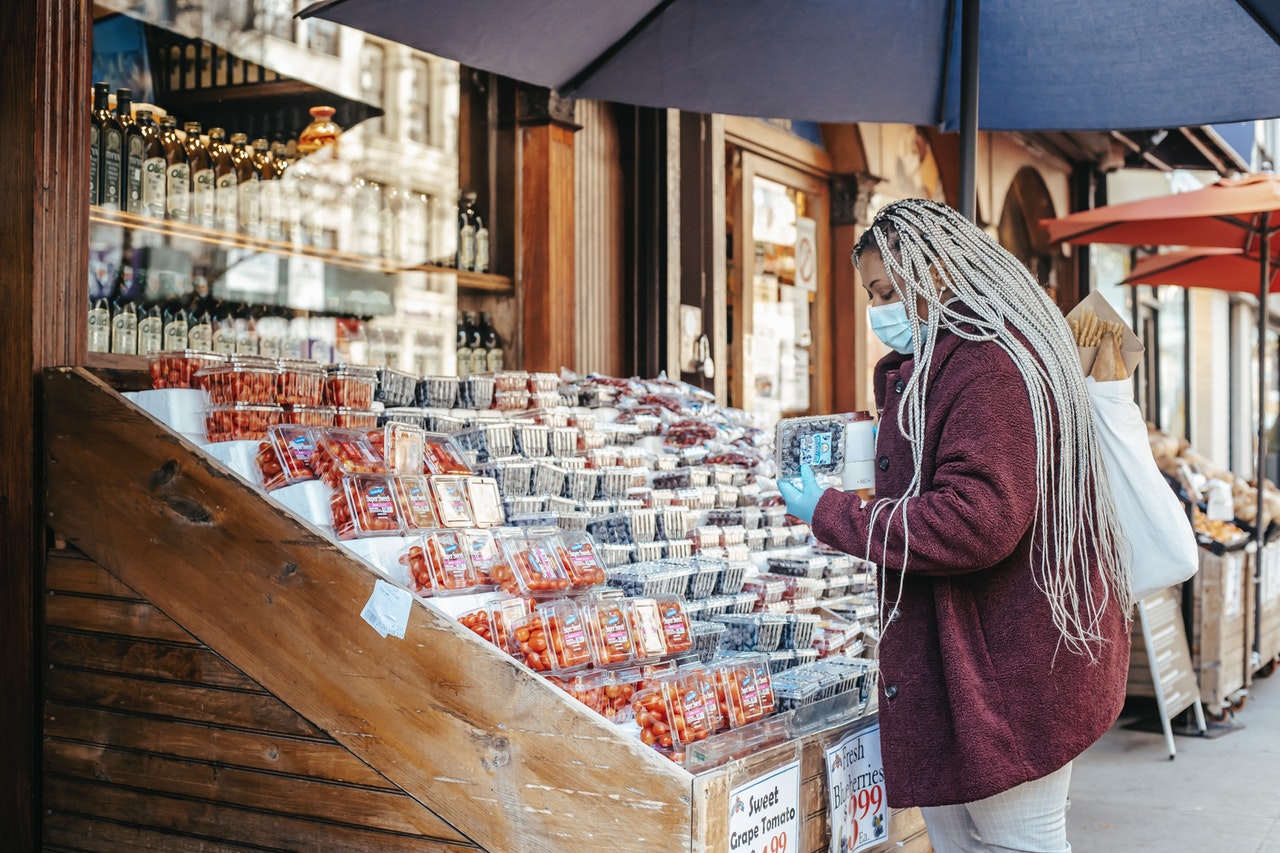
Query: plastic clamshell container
x=591 y=688
x=177 y=368
x=348 y=418
x=649 y=579
x=482 y=553
x=731 y=579
x=531 y=564
x=554 y=638
x=493 y=621
x=486 y=502
x=609 y=628
x=583 y=484
x=239 y=422
x=394 y=387
x=738 y=693
x=453 y=507
x=705 y=576
x=817 y=441
x=678 y=549
x=513 y=476
x=675 y=624
x=646 y=551
x=350 y=385
x=449 y=570
x=439 y=392
x=285 y=457
x=577 y=554
x=444 y=456
x=782 y=659
x=414 y=500
x=342 y=452
x=706 y=638
x=717 y=605
x=475 y=392
x=548 y=479
x=404 y=448
x=613 y=556
x=511 y=380
x=796 y=688
x=532 y=439
x=646 y=628
x=797 y=633
x=250 y=382
x=564 y=441
x=767 y=590
x=365 y=506
x=403 y=415
x=751 y=632
x=301 y=383
x=312 y=416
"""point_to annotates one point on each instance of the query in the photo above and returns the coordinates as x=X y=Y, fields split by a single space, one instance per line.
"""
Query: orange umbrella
x=1219 y=269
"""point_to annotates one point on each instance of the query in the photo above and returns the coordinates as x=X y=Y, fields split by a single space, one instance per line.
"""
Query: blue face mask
x=891 y=325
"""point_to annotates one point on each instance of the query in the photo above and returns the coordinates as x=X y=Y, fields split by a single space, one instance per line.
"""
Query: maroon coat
x=976 y=694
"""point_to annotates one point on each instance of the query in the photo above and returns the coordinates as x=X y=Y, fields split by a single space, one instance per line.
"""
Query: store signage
x=388 y=609
x=764 y=814
x=855 y=792
x=806 y=254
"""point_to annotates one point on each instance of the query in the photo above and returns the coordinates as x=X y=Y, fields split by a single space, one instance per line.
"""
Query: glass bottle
x=286 y=194
x=199 y=315
x=153 y=166
x=224 y=329
x=248 y=183
x=464 y=344
x=111 y=141
x=177 y=185
x=124 y=108
x=467 y=233
x=130 y=166
x=100 y=322
x=226 y=196
x=95 y=143
x=479 y=353
x=492 y=343
x=176 y=327
x=482 y=245
x=246 y=325
x=124 y=315
x=203 y=209
x=150 y=328
x=264 y=165
x=322 y=131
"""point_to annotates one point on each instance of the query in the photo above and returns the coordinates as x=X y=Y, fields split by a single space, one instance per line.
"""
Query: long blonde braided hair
x=926 y=248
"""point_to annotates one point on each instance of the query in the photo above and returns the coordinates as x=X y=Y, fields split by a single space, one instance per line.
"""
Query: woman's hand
x=801 y=502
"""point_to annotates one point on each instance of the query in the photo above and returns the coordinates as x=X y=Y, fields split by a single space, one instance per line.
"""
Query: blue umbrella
x=1044 y=64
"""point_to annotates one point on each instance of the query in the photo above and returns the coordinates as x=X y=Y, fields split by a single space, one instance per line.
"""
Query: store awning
x=1073 y=64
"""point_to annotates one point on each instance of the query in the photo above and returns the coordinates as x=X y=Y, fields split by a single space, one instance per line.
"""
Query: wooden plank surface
x=500 y=754
x=111 y=616
x=125 y=656
x=79 y=834
x=66 y=571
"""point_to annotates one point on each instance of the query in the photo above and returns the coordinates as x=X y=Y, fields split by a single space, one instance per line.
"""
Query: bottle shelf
x=466 y=281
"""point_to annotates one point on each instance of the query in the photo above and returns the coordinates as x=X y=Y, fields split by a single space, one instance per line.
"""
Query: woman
x=1004 y=597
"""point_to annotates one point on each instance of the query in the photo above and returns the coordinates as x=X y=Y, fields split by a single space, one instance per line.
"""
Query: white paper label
x=764 y=814
x=855 y=792
x=388 y=609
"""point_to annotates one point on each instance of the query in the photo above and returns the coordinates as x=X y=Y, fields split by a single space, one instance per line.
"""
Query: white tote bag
x=1161 y=545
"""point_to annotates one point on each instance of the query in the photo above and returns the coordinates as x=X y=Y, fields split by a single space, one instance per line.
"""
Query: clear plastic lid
x=675 y=624
x=370 y=508
x=341 y=452
x=494 y=620
x=646 y=628
x=609 y=628
x=177 y=368
x=648 y=579
x=577 y=554
x=451 y=573
x=486 y=502
x=239 y=421
x=706 y=638
x=767 y=590
x=453 y=507
x=301 y=383
x=352 y=418
x=739 y=693
x=286 y=456
x=482 y=553
x=817 y=441
x=754 y=632
x=531 y=563
x=404 y=448
x=554 y=638
x=444 y=456
x=413 y=499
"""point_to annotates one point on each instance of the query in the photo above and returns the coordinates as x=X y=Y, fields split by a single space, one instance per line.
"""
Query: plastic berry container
x=239 y=422
x=797 y=631
x=475 y=392
x=675 y=624
x=365 y=507
x=705 y=576
x=403 y=415
x=543 y=383
x=341 y=452
x=782 y=660
x=647 y=551
x=435 y=421
x=177 y=368
x=554 y=638
x=394 y=387
x=738 y=693
x=648 y=579
x=577 y=553
x=444 y=456
x=751 y=632
x=511 y=380
x=510 y=401
x=482 y=553
x=438 y=392
x=444 y=563
x=767 y=590
x=817 y=441
x=241 y=380
x=609 y=628
x=486 y=502
x=582 y=484
x=513 y=476
x=311 y=416
x=706 y=638
x=715 y=605
x=531 y=564
x=675 y=522
x=285 y=456
x=731 y=579
x=800 y=567
x=301 y=383
x=548 y=478
x=589 y=688
x=348 y=418
x=453 y=507
x=796 y=688
x=647 y=633
x=414 y=501
x=532 y=439
x=564 y=441
x=350 y=386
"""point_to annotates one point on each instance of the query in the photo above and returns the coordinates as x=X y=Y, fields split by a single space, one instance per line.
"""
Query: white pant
x=1031 y=818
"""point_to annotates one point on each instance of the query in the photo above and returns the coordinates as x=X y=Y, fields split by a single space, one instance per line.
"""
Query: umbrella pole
x=969 y=109
x=1259 y=532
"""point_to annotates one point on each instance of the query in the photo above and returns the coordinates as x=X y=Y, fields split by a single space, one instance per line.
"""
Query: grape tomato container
x=554 y=638
x=453 y=507
x=577 y=554
x=286 y=456
x=482 y=553
x=444 y=455
x=531 y=563
x=341 y=452
x=486 y=502
x=239 y=422
x=609 y=628
x=178 y=368
x=394 y=387
x=350 y=385
x=750 y=632
x=493 y=621
x=676 y=626
x=312 y=416
x=364 y=507
x=404 y=448
x=817 y=441
x=449 y=568
x=349 y=418
x=511 y=401
x=591 y=688
x=240 y=381
x=301 y=383
x=647 y=633
x=739 y=695
x=414 y=500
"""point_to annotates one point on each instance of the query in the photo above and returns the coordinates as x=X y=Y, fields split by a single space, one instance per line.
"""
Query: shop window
x=1172 y=352
x=419 y=107
x=373 y=82
x=321 y=36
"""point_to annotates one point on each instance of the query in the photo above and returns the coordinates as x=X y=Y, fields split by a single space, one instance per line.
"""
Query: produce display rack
x=1222 y=627
x=210 y=679
x=1268 y=591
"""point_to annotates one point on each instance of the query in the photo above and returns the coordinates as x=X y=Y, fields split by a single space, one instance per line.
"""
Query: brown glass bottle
x=202 y=191
x=265 y=165
x=111 y=145
x=247 y=184
x=177 y=184
x=225 y=181
x=152 y=197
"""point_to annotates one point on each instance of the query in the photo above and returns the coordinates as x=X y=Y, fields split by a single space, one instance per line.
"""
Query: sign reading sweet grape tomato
x=764 y=814
x=855 y=789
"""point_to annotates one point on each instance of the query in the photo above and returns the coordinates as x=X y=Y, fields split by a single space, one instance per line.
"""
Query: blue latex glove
x=802 y=501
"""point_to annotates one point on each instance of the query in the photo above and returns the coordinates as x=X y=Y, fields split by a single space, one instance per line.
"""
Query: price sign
x=855 y=792
x=388 y=609
x=764 y=814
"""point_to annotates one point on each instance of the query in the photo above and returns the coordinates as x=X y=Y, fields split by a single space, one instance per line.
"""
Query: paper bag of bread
x=1108 y=348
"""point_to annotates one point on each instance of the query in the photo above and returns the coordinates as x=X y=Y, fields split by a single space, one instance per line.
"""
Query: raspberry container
x=340 y=452
x=532 y=564
x=365 y=506
x=285 y=457
x=486 y=502
x=554 y=638
x=301 y=383
x=578 y=557
x=453 y=507
x=609 y=628
x=511 y=401
x=413 y=499
x=177 y=368
x=243 y=379
x=395 y=387
x=767 y=590
x=239 y=421
x=312 y=416
x=510 y=381
x=444 y=456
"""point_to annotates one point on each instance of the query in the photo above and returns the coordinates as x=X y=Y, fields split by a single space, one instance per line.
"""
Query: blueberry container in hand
x=817 y=441
x=751 y=632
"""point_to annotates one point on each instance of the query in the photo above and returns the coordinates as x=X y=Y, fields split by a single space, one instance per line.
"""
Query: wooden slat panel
x=252 y=750
x=599 y=242
x=76 y=833
x=230 y=708
x=547 y=240
x=152 y=660
x=110 y=616
x=504 y=756
x=284 y=795
x=211 y=820
x=68 y=572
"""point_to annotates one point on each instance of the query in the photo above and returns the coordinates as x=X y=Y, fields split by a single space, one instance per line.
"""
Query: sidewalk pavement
x=1217 y=796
